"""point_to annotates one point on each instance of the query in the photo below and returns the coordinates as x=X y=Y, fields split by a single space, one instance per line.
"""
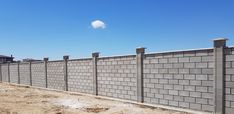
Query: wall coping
x=180 y=51
x=80 y=59
x=117 y=56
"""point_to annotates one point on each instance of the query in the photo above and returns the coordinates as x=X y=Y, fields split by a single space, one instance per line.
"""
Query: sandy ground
x=26 y=100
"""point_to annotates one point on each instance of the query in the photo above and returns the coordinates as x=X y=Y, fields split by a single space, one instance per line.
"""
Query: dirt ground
x=26 y=100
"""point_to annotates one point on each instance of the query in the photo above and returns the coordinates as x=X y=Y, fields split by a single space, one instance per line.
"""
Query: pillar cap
x=46 y=59
x=220 y=42
x=66 y=57
x=220 y=39
x=95 y=54
x=140 y=50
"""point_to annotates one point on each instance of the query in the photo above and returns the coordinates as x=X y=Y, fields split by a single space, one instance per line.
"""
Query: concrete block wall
x=38 y=74
x=55 y=75
x=201 y=79
x=24 y=73
x=14 y=72
x=80 y=78
x=229 y=81
x=4 y=69
x=117 y=77
x=180 y=79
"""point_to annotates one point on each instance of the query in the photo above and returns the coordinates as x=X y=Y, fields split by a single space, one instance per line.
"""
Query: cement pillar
x=8 y=68
x=18 y=71
x=139 y=60
x=95 y=81
x=45 y=71
x=30 y=72
x=65 y=58
x=0 y=73
x=219 y=75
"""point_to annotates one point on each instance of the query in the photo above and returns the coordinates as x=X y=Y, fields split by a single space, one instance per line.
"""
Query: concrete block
x=173 y=71
x=178 y=76
x=208 y=108
x=189 y=77
x=168 y=76
x=183 y=82
x=195 y=94
x=163 y=71
x=201 y=65
x=153 y=60
x=158 y=65
x=189 y=88
x=169 y=65
x=207 y=71
x=184 y=104
x=168 y=97
x=184 y=59
x=163 y=91
x=178 y=65
x=184 y=93
x=151 y=95
x=207 y=95
x=207 y=83
x=171 y=81
x=230 y=57
x=173 y=92
x=195 y=71
x=201 y=101
x=154 y=90
x=173 y=60
x=163 y=81
x=158 y=96
x=195 y=106
x=189 y=65
x=159 y=86
x=230 y=84
x=154 y=71
x=153 y=80
x=183 y=71
x=163 y=60
x=189 y=99
x=195 y=82
x=178 y=98
x=195 y=59
x=230 y=71
x=207 y=58
x=168 y=86
x=163 y=101
x=178 y=87
x=158 y=76
x=201 y=89
x=174 y=103
x=201 y=77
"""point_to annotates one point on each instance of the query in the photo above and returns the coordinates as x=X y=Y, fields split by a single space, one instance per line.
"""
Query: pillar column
x=8 y=68
x=65 y=58
x=30 y=72
x=95 y=81
x=0 y=72
x=219 y=75
x=45 y=71
x=139 y=60
x=18 y=71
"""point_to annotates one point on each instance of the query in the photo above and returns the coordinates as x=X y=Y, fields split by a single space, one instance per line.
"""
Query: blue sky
x=53 y=28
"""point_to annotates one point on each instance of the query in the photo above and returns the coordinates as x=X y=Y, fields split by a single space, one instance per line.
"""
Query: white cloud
x=96 y=24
